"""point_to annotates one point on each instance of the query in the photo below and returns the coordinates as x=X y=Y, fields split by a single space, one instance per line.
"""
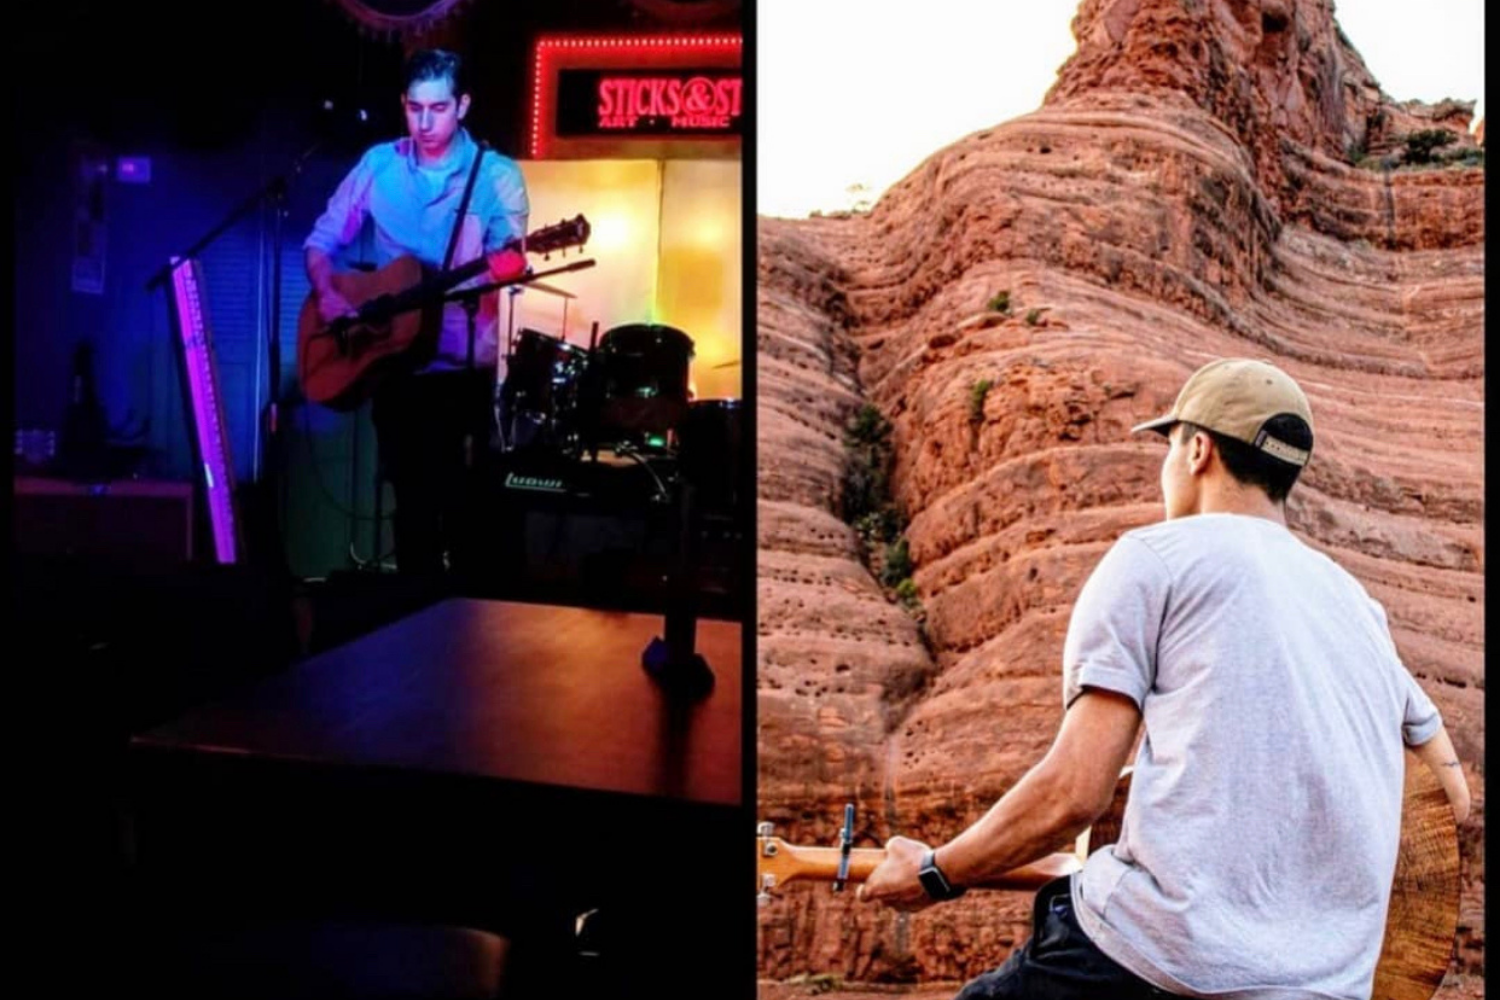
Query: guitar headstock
x=774 y=863
x=777 y=862
x=572 y=232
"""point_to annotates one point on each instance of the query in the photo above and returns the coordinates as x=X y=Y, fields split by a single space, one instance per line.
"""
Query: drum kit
x=625 y=395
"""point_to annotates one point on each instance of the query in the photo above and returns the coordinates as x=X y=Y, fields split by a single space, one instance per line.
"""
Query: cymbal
x=727 y=364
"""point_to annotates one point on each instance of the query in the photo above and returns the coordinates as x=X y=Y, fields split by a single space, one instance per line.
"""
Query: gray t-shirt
x=1260 y=837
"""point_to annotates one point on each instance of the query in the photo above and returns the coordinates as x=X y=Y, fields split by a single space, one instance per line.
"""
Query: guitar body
x=400 y=306
x=341 y=373
x=1421 y=922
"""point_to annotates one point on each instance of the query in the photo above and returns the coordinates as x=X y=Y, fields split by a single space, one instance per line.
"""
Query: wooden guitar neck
x=790 y=863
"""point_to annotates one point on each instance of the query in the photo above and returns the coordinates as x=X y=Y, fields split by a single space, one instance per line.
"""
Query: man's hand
x=507 y=265
x=894 y=883
x=332 y=305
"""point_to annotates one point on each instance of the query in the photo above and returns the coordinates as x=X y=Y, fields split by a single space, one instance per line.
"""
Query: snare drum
x=709 y=451
x=644 y=378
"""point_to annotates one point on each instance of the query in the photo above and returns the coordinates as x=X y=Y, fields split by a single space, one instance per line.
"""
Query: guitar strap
x=458 y=224
x=463 y=207
x=470 y=306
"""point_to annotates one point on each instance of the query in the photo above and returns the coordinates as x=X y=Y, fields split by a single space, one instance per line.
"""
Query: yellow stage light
x=609 y=232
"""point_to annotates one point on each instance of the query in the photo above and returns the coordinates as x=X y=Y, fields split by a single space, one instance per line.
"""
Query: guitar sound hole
x=364 y=334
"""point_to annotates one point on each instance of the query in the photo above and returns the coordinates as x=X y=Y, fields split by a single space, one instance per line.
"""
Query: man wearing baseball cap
x=1260 y=837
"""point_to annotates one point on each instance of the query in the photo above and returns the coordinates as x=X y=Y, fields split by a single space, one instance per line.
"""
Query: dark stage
x=298 y=771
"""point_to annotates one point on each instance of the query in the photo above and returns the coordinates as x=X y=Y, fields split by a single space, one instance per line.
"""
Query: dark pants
x=432 y=431
x=1059 y=962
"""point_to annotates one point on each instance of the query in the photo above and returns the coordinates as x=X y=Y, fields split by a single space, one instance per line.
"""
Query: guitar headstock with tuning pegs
x=777 y=862
x=559 y=236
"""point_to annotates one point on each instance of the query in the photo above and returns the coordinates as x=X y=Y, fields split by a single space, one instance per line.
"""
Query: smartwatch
x=935 y=882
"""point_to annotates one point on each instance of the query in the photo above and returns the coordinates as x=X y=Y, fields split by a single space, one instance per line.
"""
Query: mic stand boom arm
x=274 y=190
x=269 y=518
x=481 y=290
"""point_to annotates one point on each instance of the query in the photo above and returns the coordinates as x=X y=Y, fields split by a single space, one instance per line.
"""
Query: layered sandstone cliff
x=1185 y=192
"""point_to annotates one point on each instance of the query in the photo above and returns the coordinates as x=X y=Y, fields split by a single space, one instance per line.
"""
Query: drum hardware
x=623 y=399
x=662 y=494
x=643 y=380
x=515 y=290
x=539 y=400
x=626 y=392
x=710 y=439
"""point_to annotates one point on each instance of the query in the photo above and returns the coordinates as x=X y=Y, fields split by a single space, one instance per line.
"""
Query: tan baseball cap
x=1236 y=397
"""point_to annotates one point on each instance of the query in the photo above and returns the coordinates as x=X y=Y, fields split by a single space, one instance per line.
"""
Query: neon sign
x=675 y=103
x=590 y=94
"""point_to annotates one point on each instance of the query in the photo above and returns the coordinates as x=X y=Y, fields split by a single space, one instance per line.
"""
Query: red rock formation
x=1271 y=72
x=1182 y=194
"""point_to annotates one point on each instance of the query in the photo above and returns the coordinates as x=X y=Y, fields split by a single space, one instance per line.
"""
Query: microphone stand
x=671 y=658
x=159 y=278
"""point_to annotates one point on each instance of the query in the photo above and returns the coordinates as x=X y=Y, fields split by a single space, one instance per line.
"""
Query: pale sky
x=854 y=92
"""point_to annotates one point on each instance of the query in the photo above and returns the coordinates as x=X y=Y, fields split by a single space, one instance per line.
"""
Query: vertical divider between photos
x=750 y=519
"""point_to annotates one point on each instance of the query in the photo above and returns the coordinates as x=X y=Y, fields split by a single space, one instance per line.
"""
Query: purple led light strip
x=208 y=411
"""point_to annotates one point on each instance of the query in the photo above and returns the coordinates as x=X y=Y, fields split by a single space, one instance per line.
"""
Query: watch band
x=934 y=881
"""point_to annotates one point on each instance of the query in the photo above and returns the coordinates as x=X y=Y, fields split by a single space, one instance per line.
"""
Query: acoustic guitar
x=1421 y=923
x=399 y=311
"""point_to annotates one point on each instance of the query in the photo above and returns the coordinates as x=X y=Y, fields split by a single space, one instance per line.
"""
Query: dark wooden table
x=504 y=691
x=478 y=762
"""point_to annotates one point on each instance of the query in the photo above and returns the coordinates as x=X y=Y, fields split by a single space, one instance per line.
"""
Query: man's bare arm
x=1070 y=787
x=1437 y=753
x=319 y=270
x=331 y=304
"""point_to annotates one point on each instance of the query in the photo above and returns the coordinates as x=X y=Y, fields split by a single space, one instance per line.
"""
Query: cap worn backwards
x=1237 y=397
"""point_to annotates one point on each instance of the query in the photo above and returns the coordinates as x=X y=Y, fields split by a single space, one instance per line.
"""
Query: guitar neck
x=821 y=864
x=427 y=291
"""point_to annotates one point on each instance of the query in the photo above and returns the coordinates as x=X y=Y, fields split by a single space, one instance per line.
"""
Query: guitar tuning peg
x=846 y=842
x=764 y=896
x=764 y=829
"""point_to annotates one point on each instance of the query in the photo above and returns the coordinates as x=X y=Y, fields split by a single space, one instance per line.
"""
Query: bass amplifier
x=127 y=520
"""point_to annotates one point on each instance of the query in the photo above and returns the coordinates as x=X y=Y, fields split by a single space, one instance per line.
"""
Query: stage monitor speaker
x=127 y=520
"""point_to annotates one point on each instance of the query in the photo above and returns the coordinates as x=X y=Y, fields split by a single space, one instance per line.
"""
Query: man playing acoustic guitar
x=1260 y=836
x=430 y=423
